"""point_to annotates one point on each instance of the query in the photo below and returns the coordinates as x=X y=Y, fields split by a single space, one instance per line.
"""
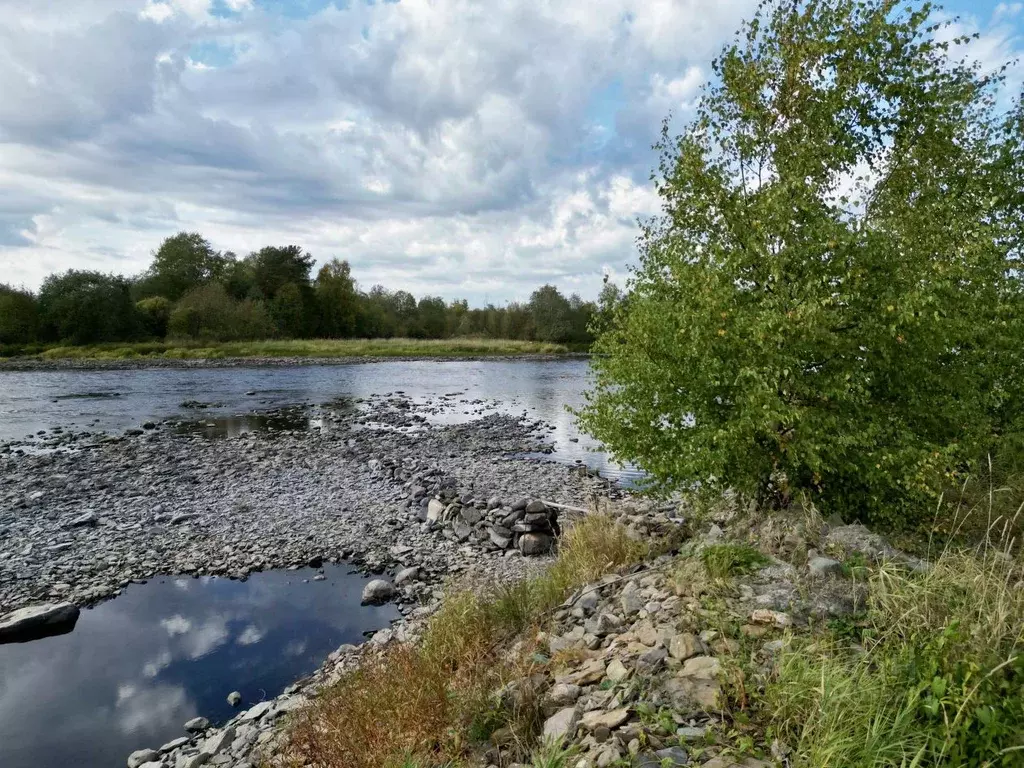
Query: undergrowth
x=427 y=704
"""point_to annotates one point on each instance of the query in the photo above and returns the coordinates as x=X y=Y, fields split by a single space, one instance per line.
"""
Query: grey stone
x=218 y=742
x=536 y=506
x=824 y=566
x=535 y=543
x=137 y=758
x=255 y=713
x=435 y=510
x=563 y=694
x=561 y=725
x=406 y=575
x=88 y=520
x=197 y=724
x=170 y=746
x=663 y=758
x=234 y=698
x=378 y=591
x=38 y=621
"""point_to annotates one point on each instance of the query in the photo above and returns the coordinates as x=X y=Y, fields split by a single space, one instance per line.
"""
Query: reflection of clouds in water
x=209 y=636
x=151 y=709
x=182 y=584
x=295 y=648
x=176 y=625
x=154 y=667
x=250 y=635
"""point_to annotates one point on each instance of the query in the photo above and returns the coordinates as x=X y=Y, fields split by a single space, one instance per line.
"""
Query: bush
x=19 y=316
x=155 y=314
x=209 y=313
x=829 y=304
x=87 y=308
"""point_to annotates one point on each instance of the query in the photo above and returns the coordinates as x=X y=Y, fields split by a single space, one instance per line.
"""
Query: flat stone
x=824 y=566
x=724 y=761
x=663 y=758
x=701 y=668
x=590 y=672
x=406 y=575
x=170 y=746
x=137 y=758
x=435 y=510
x=536 y=506
x=611 y=719
x=563 y=694
x=38 y=621
x=256 y=712
x=561 y=725
x=88 y=520
x=219 y=742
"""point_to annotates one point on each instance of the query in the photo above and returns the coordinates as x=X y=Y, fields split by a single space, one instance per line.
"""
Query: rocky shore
x=79 y=523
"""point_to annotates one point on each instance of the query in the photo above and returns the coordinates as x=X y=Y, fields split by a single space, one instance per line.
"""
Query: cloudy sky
x=466 y=149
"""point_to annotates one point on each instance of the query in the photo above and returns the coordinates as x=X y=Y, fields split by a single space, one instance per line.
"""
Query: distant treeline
x=192 y=291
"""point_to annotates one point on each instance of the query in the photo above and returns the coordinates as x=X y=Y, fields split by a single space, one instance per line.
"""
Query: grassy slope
x=309 y=348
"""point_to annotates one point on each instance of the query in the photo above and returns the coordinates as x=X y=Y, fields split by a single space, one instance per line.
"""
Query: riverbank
x=81 y=521
x=184 y=354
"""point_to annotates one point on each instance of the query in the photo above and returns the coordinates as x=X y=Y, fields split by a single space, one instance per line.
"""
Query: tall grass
x=310 y=348
x=937 y=678
x=426 y=705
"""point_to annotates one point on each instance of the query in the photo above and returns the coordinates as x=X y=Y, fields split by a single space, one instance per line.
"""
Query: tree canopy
x=830 y=303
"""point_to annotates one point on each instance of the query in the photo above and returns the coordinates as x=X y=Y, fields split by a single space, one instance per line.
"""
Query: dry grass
x=428 y=704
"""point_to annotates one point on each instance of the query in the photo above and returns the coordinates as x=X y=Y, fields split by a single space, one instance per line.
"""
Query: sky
x=446 y=147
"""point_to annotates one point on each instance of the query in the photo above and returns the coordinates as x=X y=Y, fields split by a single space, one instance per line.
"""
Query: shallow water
x=136 y=668
x=112 y=401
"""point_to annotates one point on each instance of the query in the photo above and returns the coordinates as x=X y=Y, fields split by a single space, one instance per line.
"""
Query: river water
x=243 y=399
x=137 y=667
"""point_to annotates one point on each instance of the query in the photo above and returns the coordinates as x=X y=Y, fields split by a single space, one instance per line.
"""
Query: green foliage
x=87 y=307
x=829 y=303
x=938 y=679
x=273 y=268
x=155 y=314
x=183 y=262
x=19 y=316
x=337 y=300
x=208 y=313
x=722 y=561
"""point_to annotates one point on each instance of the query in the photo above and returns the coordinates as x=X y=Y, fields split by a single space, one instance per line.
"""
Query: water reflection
x=137 y=667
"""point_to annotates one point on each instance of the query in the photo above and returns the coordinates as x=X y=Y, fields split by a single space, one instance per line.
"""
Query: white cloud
x=442 y=146
x=176 y=625
x=250 y=635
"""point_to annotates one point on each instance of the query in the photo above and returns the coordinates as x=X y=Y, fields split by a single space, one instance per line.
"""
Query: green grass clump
x=427 y=704
x=304 y=348
x=938 y=680
x=722 y=561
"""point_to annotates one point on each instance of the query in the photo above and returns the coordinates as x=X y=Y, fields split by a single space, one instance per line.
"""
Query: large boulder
x=378 y=591
x=536 y=543
x=38 y=621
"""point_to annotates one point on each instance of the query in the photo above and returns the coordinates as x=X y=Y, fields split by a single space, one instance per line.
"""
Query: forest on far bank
x=192 y=292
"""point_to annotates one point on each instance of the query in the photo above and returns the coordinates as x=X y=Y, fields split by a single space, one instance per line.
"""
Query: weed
x=722 y=561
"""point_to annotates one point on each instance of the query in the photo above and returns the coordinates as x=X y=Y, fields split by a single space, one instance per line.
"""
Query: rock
x=88 y=520
x=563 y=695
x=377 y=592
x=435 y=510
x=684 y=646
x=616 y=671
x=219 y=742
x=663 y=758
x=824 y=566
x=38 y=621
x=536 y=506
x=630 y=599
x=691 y=733
x=170 y=746
x=234 y=698
x=702 y=667
x=535 y=543
x=501 y=537
x=561 y=725
x=256 y=712
x=766 y=616
x=197 y=725
x=183 y=518
x=590 y=672
x=724 y=761
x=137 y=758
x=406 y=575
x=651 y=661
x=611 y=719
x=493 y=503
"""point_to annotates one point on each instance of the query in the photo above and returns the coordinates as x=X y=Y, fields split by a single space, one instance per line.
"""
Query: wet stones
x=378 y=592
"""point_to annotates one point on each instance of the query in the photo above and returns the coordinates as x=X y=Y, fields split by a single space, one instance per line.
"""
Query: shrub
x=829 y=303
x=155 y=313
x=87 y=307
x=19 y=316
x=209 y=313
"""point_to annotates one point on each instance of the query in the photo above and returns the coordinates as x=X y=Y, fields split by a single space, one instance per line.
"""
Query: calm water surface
x=136 y=668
